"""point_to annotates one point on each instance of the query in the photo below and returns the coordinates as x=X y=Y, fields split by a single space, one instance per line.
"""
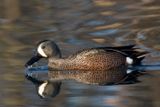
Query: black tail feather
x=133 y=52
x=137 y=61
x=136 y=56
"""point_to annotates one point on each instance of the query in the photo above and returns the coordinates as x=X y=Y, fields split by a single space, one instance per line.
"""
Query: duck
x=90 y=59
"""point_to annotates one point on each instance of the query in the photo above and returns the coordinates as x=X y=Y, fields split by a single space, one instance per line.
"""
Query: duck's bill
x=34 y=59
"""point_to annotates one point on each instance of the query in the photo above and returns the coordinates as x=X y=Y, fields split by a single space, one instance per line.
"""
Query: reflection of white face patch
x=40 y=51
x=41 y=89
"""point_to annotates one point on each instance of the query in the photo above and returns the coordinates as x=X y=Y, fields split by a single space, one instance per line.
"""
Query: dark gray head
x=48 y=48
x=45 y=49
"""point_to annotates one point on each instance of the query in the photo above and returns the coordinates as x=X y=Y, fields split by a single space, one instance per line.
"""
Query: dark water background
x=76 y=24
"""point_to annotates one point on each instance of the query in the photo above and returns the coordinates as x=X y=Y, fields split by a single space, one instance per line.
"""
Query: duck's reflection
x=45 y=89
x=114 y=76
x=51 y=87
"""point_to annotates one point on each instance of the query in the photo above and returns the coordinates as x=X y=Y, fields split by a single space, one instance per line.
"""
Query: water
x=74 y=25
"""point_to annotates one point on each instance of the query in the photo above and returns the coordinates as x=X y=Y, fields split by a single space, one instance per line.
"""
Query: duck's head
x=44 y=49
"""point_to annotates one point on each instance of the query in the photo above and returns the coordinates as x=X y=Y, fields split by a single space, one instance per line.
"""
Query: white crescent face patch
x=40 y=51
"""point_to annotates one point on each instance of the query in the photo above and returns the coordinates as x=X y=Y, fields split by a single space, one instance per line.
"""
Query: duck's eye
x=43 y=47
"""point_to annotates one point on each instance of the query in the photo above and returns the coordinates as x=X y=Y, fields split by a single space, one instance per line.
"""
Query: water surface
x=74 y=25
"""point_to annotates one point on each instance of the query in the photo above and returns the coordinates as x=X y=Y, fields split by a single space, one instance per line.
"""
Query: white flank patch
x=129 y=60
x=41 y=89
x=40 y=51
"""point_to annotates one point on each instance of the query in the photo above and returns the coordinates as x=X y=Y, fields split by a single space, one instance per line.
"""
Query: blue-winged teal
x=93 y=59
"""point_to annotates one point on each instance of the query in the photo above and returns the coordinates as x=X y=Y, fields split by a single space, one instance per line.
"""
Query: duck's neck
x=56 y=63
x=57 y=54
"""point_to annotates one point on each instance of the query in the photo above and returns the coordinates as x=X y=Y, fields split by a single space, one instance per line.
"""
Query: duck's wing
x=120 y=48
x=136 y=55
x=131 y=51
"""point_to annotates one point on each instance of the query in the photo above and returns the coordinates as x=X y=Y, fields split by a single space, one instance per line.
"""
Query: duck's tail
x=135 y=55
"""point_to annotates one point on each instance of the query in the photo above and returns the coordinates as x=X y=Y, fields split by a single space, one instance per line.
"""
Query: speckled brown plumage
x=89 y=60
